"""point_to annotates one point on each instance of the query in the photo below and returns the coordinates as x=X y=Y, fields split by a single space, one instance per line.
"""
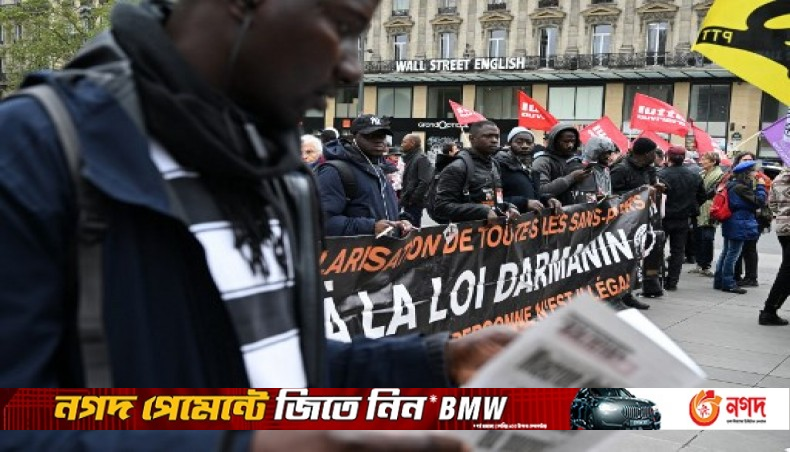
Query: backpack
x=347 y=177
x=430 y=195
x=720 y=208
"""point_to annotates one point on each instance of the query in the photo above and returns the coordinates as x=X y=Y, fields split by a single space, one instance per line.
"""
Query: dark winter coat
x=375 y=198
x=417 y=176
x=554 y=171
x=519 y=184
x=454 y=201
x=685 y=192
x=626 y=176
x=742 y=225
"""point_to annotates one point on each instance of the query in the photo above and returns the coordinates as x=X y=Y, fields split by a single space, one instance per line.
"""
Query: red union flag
x=703 y=140
x=660 y=142
x=605 y=128
x=532 y=116
x=465 y=115
x=658 y=116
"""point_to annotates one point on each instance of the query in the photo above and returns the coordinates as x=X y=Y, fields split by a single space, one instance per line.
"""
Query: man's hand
x=467 y=354
x=534 y=205
x=660 y=187
x=555 y=205
x=405 y=227
x=381 y=227
x=340 y=441
x=579 y=175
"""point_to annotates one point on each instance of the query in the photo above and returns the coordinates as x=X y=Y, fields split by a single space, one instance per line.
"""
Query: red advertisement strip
x=286 y=409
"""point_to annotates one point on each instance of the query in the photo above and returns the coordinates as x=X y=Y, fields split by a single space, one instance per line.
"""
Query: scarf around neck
x=204 y=130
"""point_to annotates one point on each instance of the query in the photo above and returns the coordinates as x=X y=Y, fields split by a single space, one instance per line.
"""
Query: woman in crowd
x=746 y=195
x=749 y=258
x=705 y=233
x=780 y=206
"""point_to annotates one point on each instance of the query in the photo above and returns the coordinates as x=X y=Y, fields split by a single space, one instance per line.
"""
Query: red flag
x=658 y=116
x=703 y=140
x=531 y=115
x=660 y=142
x=464 y=115
x=605 y=128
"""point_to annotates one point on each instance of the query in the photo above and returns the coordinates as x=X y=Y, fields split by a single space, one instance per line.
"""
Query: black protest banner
x=437 y=280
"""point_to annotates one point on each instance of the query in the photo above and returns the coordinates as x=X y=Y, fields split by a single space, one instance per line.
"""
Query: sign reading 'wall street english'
x=463 y=279
x=462 y=65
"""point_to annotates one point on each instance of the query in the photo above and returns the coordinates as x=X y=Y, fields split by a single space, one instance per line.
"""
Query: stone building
x=582 y=59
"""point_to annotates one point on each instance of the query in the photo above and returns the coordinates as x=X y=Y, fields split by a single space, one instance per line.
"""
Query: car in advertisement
x=613 y=409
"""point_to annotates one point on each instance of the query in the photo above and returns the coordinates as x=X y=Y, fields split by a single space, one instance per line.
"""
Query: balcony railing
x=448 y=10
x=400 y=12
x=637 y=60
x=598 y=2
x=548 y=3
x=497 y=6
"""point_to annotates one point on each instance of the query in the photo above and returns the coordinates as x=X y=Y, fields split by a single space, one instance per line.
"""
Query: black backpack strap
x=470 y=169
x=347 y=177
x=90 y=230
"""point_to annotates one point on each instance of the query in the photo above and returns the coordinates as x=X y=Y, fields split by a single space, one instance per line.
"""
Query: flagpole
x=736 y=148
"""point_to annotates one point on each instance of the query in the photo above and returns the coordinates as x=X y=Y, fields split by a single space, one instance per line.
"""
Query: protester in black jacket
x=482 y=198
x=519 y=184
x=685 y=193
x=417 y=176
x=557 y=178
x=629 y=173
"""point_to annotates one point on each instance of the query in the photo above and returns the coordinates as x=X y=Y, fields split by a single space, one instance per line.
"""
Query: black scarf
x=205 y=131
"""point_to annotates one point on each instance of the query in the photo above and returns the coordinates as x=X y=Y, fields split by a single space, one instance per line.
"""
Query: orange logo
x=704 y=408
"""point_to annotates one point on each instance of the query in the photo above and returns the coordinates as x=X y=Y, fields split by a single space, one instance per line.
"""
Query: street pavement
x=720 y=332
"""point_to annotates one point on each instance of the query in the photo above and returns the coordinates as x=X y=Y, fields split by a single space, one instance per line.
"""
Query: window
x=447 y=44
x=400 y=46
x=499 y=102
x=601 y=43
x=548 y=45
x=576 y=104
x=656 y=42
x=400 y=7
x=2 y=34
x=346 y=102
x=313 y=113
x=447 y=3
x=17 y=32
x=658 y=91
x=772 y=110
x=497 y=43
x=394 y=102
x=438 y=100
x=710 y=109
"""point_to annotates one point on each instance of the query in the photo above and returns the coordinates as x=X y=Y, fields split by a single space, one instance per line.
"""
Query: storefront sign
x=462 y=65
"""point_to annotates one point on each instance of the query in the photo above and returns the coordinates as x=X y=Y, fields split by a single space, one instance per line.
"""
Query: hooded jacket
x=742 y=225
x=685 y=192
x=454 y=201
x=375 y=198
x=166 y=324
x=554 y=171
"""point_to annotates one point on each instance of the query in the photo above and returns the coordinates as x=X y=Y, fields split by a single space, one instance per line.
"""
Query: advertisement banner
x=605 y=128
x=655 y=115
x=532 y=115
x=463 y=277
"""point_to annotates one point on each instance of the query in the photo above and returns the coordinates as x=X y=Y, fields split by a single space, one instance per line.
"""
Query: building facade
x=582 y=59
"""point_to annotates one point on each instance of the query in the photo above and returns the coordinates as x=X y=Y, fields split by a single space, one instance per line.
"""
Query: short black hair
x=328 y=135
x=476 y=126
x=643 y=146
x=447 y=147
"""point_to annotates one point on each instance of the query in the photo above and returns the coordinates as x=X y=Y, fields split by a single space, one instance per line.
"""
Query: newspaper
x=584 y=345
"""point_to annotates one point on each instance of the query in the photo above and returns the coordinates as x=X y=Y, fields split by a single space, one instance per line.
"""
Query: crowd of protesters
x=494 y=182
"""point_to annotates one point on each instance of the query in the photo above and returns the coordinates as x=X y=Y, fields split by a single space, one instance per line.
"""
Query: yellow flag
x=751 y=39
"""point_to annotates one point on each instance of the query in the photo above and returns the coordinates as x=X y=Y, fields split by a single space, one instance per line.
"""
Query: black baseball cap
x=367 y=124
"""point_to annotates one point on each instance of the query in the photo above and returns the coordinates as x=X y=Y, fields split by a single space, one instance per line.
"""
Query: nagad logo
x=704 y=408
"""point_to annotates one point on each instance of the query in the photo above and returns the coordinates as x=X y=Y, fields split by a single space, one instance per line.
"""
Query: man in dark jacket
x=417 y=176
x=685 y=193
x=481 y=198
x=373 y=208
x=557 y=179
x=631 y=172
x=210 y=257
x=519 y=183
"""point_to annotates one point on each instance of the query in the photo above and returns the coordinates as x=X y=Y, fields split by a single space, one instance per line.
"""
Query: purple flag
x=778 y=136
